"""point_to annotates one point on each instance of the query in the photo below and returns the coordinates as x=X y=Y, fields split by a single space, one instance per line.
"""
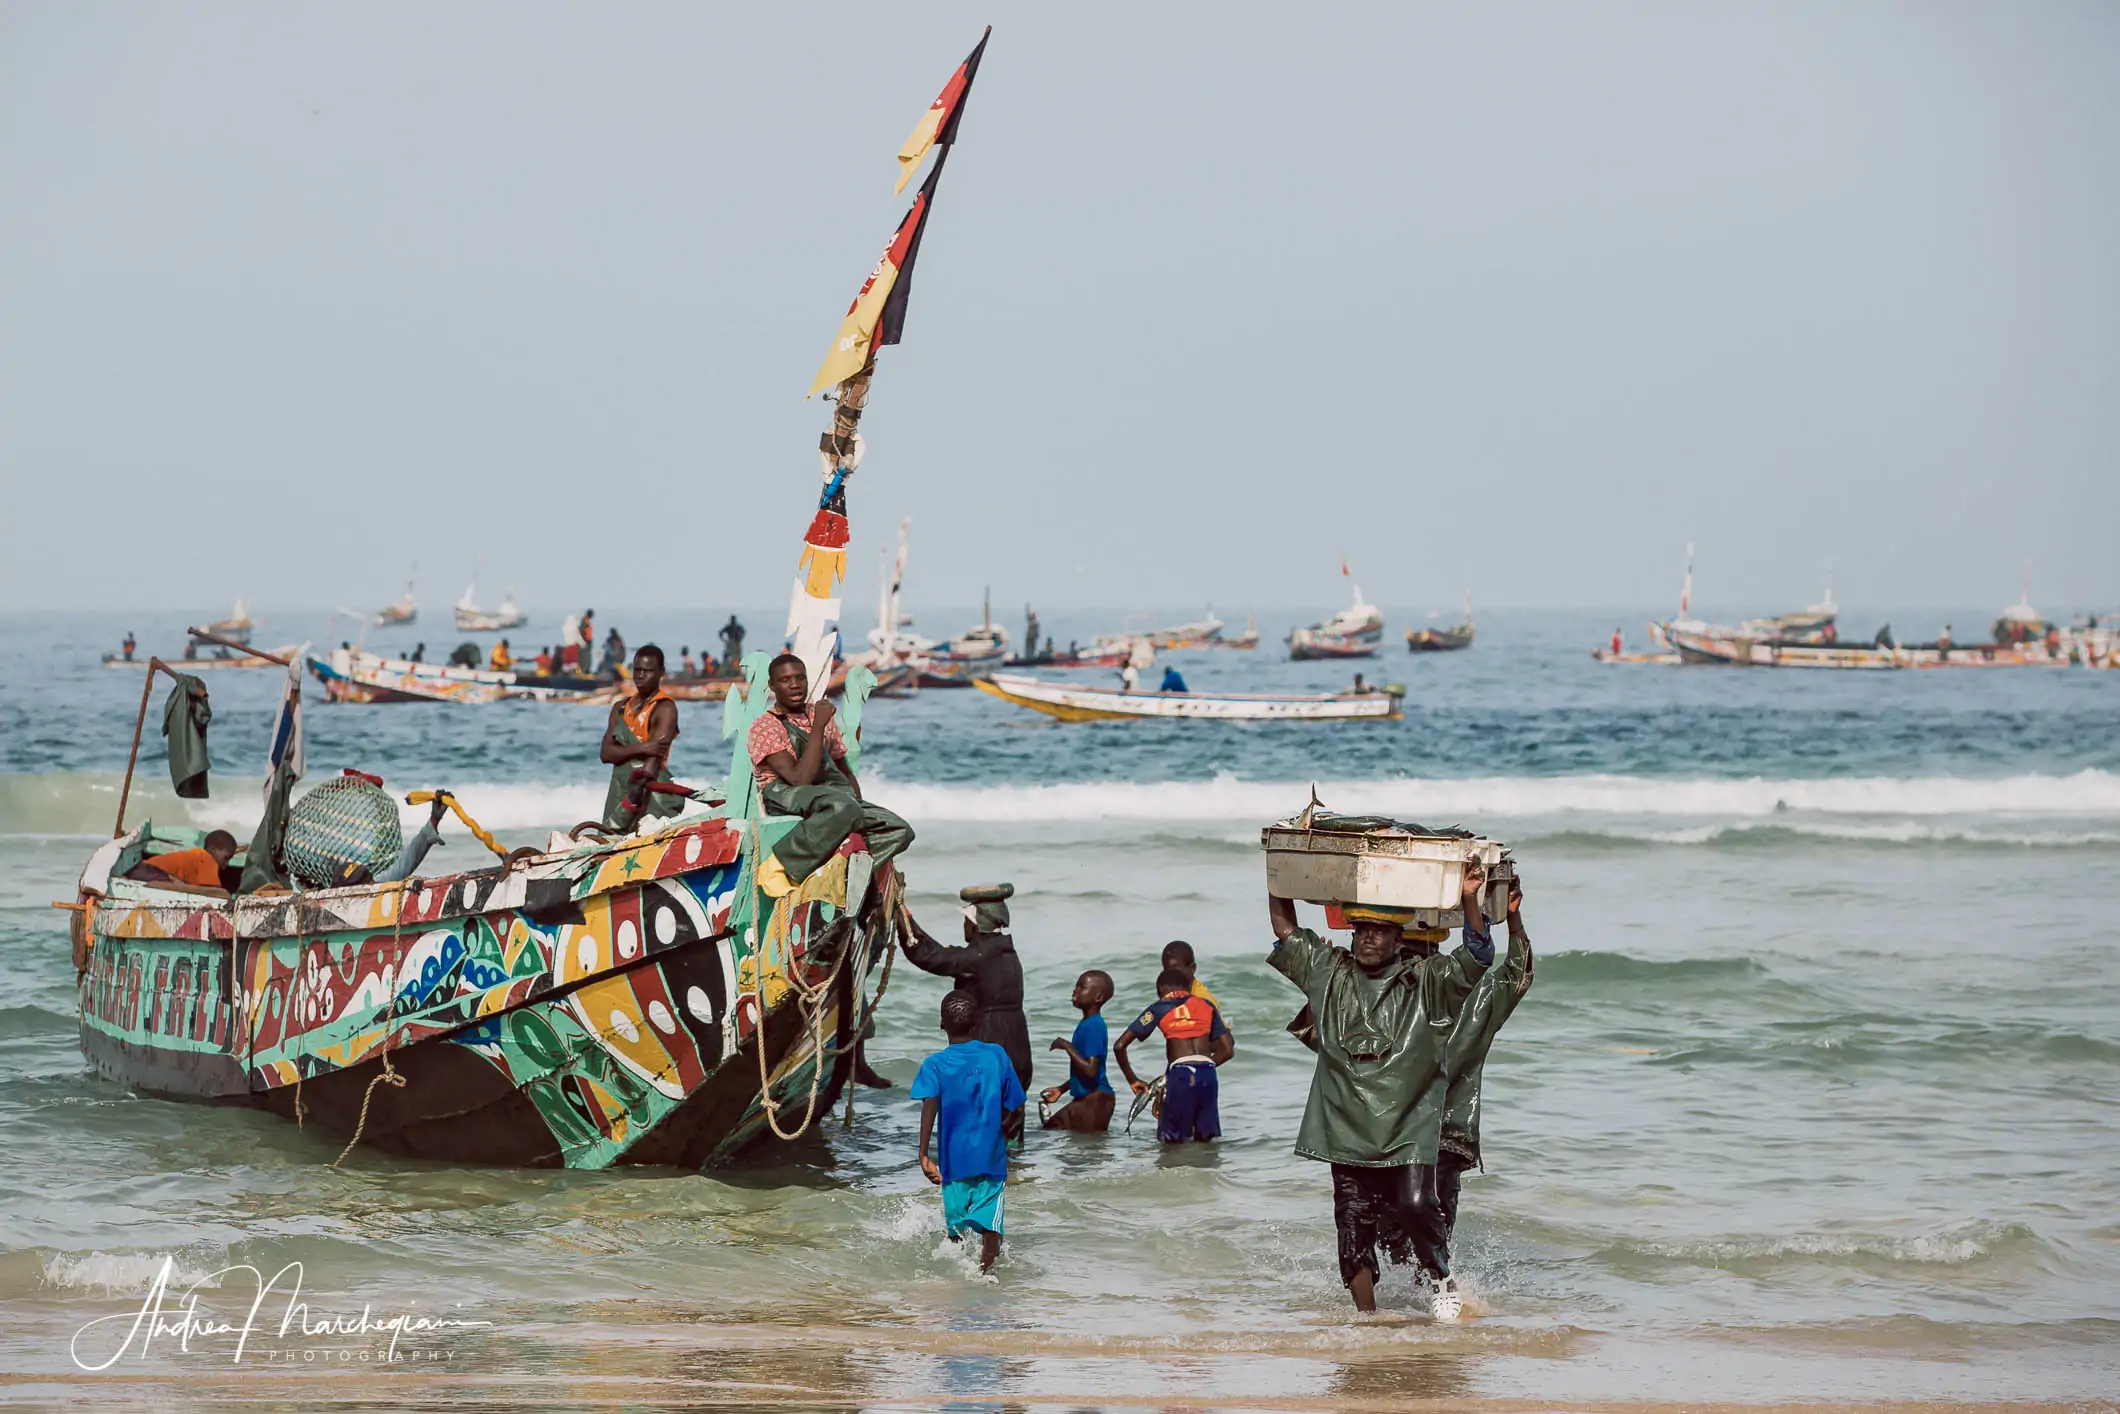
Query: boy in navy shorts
x=1195 y=1041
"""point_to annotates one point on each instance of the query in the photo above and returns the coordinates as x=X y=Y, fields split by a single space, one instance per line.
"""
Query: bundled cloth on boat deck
x=184 y=720
x=632 y=728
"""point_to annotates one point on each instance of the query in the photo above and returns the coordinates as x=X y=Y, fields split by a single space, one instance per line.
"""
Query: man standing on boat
x=1378 y=1095
x=637 y=740
x=799 y=760
x=731 y=647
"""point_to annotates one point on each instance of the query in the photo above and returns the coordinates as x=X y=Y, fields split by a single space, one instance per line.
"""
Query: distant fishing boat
x=1095 y=704
x=971 y=655
x=355 y=675
x=1354 y=632
x=406 y=610
x=1443 y=640
x=470 y=618
x=222 y=660
x=236 y=628
x=1243 y=642
x=896 y=657
x=1202 y=633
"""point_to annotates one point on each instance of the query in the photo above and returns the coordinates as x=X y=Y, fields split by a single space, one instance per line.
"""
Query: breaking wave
x=2082 y=809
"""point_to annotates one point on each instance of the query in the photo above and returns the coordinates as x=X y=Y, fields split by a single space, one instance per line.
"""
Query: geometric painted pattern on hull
x=587 y=1008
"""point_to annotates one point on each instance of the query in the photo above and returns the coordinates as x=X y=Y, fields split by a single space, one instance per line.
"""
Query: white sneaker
x=1446 y=1305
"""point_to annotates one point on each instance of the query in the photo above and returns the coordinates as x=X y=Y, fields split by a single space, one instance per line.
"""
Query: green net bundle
x=346 y=820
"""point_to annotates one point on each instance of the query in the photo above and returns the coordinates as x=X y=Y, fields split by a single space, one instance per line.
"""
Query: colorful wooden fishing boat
x=355 y=675
x=1106 y=704
x=624 y=999
x=608 y=1002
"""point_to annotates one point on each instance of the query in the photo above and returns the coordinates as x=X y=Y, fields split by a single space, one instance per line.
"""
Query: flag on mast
x=877 y=315
x=938 y=126
x=875 y=318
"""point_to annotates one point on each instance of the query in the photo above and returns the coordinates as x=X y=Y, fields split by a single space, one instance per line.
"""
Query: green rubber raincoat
x=1378 y=1093
x=1465 y=1057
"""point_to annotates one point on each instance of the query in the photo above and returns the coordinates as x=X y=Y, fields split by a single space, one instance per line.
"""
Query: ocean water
x=1813 y=1098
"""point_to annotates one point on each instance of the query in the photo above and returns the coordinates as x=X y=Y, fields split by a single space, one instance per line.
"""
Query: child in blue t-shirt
x=968 y=1089
x=1089 y=1105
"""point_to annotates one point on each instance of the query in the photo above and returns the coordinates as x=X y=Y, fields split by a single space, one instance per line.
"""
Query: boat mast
x=876 y=318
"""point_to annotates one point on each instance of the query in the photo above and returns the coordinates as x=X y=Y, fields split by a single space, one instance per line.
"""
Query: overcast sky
x=1521 y=297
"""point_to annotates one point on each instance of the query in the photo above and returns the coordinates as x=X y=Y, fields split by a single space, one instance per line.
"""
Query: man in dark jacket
x=987 y=967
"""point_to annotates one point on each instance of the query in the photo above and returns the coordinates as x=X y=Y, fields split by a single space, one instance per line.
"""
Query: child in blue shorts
x=968 y=1090
x=1195 y=1041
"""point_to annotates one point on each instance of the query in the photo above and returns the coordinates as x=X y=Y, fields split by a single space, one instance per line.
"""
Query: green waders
x=830 y=812
x=616 y=814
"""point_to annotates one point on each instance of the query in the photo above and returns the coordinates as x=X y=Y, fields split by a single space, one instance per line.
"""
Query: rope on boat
x=390 y=1075
x=883 y=984
x=809 y=997
x=478 y=831
x=387 y=1077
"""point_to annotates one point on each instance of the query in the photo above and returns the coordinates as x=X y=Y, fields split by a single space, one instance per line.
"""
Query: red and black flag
x=877 y=315
x=938 y=126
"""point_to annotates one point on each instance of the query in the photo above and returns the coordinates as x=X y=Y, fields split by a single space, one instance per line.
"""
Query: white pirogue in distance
x=1098 y=704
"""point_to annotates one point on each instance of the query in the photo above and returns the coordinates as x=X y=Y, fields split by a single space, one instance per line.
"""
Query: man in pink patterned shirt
x=798 y=756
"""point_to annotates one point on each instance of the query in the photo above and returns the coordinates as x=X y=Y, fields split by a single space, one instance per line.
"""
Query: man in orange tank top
x=637 y=741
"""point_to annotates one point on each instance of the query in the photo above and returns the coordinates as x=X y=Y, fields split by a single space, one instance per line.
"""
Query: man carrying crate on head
x=1377 y=1097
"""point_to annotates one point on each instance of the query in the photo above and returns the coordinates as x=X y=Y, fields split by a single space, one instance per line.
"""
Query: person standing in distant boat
x=1129 y=678
x=732 y=644
x=128 y=645
x=1615 y=643
x=637 y=740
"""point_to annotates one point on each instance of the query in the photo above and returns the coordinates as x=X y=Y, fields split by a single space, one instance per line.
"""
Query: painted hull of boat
x=1104 y=704
x=590 y=1008
x=365 y=678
